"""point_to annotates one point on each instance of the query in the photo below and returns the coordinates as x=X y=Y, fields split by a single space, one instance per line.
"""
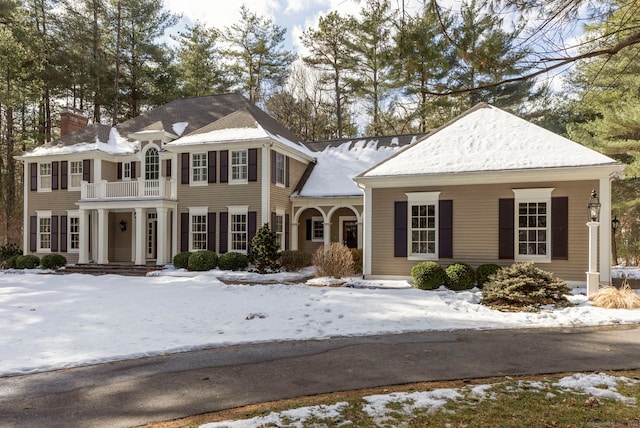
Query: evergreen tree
x=263 y=251
x=258 y=59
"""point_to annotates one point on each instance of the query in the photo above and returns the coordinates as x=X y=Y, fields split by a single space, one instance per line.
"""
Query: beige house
x=206 y=172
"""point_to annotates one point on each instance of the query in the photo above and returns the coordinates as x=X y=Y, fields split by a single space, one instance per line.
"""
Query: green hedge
x=202 y=260
x=484 y=272
x=233 y=261
x=53 y=261
x=459 y=276
x=427 y=275
x=28 y=261
x=181 y=260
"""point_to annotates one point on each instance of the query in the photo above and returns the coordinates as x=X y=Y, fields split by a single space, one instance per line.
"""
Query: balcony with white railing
x=163 y=188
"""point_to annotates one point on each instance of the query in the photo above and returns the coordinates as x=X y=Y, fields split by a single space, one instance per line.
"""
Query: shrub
x=356 y=253
x=28 y=261
x=181 y=260
x=9 y=250
x=484 y=272
x=233 y=261
x=335 y=261
x=524 y=287
x=202 y=260
x=459 y=276
x=11 y=262
x=293 y=260
x=263 y=251
x=53 y=261
x=427 y=275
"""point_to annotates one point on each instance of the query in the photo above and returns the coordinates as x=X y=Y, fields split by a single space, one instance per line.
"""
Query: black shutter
x=253 y=164
x=168 y=168
x=251 y=226
x=286 y=232
x=224 y=231
x=54 y=233
x=184 y=169
x=445 y=229
x=224 y=167
x=506 y=228
x=286 y=171
x=273 y=222
x=133 y=170
x=273 y=167
x=33 y=172
x=54 y=175
x=63 y=233
x=400 y=229
x=119 y=169
x=64 y=178
x=86 y=170
x=309 y=225
x=211 y=167
x=33 y=233
x=211 y=231
x=560 y=228
x=184 y=232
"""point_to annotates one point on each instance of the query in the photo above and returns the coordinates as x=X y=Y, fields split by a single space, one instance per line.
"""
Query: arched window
x=151 y=164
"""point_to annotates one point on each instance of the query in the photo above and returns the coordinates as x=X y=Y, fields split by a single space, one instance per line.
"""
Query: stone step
x=110 y=269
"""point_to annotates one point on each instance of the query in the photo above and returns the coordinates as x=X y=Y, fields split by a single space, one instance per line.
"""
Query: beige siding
x=120 y=243
x=475 y=226
x=109 y=171
x=308 y=246
x=335 y=223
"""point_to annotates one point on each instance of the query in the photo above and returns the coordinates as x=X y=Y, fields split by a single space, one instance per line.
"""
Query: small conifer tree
x=263 y=251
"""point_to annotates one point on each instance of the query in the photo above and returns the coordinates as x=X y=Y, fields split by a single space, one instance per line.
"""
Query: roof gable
x=485 y=139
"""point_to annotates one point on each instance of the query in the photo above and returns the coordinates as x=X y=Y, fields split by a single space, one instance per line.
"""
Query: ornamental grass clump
x=524 y=287
x=335 y=261
x=427 y=275
x=459 y=276
x=616 y=298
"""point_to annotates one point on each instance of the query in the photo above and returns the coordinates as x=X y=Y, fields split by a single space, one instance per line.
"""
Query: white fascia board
x=291 y=152
x=127 y=204
x=313 y=202
x=218 y=145
x=493 y=177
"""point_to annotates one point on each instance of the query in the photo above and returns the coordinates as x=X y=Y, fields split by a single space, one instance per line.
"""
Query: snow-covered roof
x=488 y=139
x=115 y=145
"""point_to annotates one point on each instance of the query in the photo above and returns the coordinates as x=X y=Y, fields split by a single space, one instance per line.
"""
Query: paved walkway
x=136 y=392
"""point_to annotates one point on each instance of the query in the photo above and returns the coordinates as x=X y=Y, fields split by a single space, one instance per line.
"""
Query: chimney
x=71 y=120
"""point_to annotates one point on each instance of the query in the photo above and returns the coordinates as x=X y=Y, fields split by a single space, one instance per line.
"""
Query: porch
x=165 y=188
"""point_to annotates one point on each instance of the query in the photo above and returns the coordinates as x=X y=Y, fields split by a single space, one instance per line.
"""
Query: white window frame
x=532 y=196
x=417 y=199
x=75 y=175
x=317 y=237
x=278 y=229
x=73 y=216
x=151 y=165
x=195 y=213
x=199 y=169
x=46 y=178
x=126 y=171
x=239 y=172
x=234 y=212
x=43 y=215
x=281 y=169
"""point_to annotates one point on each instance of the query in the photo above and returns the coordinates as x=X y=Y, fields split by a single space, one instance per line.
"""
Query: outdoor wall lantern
x=123 y=225
x=615 y=223
x=593 y=207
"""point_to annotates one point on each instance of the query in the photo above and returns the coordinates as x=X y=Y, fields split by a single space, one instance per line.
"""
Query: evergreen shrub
x=233 y=261
x=9 y=250
x=459 y=276
x=202 y=260
x=53 y=261
x=181 y=260
x=293 y=260
x=263 y=251
x=357 y=255
x=335 y=261
x=11 y=262
x=427 y=275
x=484 y=272
x=29 y=261
x=524 y=287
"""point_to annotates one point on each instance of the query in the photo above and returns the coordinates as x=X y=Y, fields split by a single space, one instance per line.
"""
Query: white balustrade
x=164 y=188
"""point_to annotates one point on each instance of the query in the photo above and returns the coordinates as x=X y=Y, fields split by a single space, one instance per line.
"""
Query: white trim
x=43 y=214
x=71 y=214
x=281 y=213
x=244 y=180
x=193 y=182
x=341 y=220
x=265 y=184
x=605 y=231
x=533 y=195
x=197 y=211
x=40 y=188
x=70 y=185
x=26 y=188
x=423 y=198
x=366 y=214
x=314 y=220
x=237 y=210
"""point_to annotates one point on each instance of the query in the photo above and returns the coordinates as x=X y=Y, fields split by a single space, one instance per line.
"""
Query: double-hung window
x=126 y=171
x=317 y=229
x=280 y=165
x=533 y=224
x=75 y=174
x=239 y=166
x=199 y=168
x=423 y=225
x=238 y=228
x=44 y=176
x=198 y=228
x=44 y=231
x=278 y=229
x=74 y=234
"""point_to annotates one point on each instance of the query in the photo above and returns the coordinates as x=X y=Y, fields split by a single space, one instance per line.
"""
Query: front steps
x=110 y=269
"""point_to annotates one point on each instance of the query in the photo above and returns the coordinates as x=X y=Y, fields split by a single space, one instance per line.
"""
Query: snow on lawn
x=55 y=321
x=383 y=407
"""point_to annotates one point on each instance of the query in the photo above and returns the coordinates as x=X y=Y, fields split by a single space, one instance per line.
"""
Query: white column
x=294 y=236
x=103 y=236
x=174 y=233
x=83 y=255
x=366 y=238
x=266 y=185
x=161 y=238
x=327 y=234
x=605 y=231
x=593 y=276
x=360 y=237
x=140 y=229
x=25 y=208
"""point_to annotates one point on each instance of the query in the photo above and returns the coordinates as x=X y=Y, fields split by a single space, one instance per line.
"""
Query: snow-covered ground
x=56 y=321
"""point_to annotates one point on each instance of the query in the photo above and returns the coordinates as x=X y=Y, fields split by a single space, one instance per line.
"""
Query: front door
x=350 y=233
x=152 y=229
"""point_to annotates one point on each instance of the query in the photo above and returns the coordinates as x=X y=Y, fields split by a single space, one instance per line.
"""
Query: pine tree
x=263 y=251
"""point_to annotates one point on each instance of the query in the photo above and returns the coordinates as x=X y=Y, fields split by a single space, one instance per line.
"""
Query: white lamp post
x=593 y=211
